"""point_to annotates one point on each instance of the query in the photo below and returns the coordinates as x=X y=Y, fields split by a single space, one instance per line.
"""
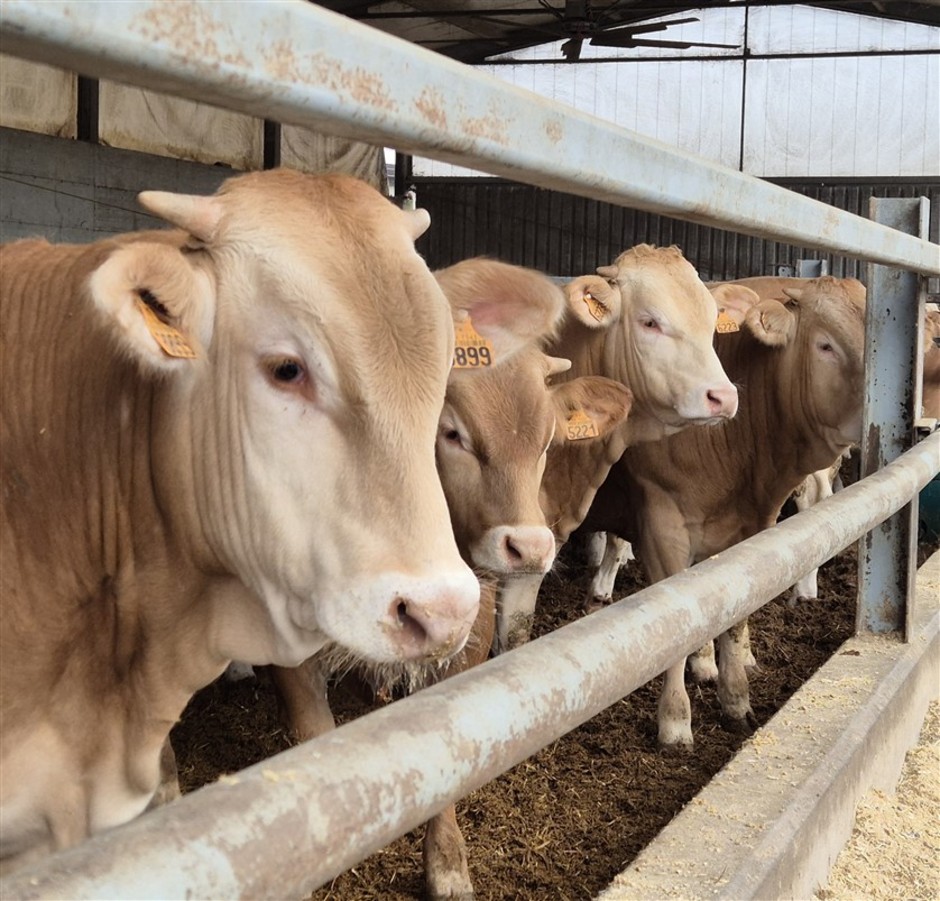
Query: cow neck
x=783 y=444
x=103 y=575
x=600 y=352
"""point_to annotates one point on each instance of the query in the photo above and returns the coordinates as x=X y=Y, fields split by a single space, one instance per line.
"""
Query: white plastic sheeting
x=39 y=98
x=820 y=118
x=36 y=97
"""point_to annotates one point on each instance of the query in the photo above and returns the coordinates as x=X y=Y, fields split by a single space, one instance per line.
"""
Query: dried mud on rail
x=561 y=824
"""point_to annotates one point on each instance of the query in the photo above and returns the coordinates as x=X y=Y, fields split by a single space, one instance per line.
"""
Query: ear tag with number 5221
x=580 y=426
x=471 y=349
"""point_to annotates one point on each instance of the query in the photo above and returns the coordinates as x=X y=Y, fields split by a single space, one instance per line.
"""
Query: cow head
x=657 y=321
x=499 y=420
x=296 y=413
x=817 y=333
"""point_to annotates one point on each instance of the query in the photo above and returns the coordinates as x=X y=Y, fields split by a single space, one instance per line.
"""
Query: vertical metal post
x=894 y=323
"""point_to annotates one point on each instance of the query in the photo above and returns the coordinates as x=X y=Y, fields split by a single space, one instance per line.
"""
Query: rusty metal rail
x=295 y=821
x=285 y=826
x=294 y=62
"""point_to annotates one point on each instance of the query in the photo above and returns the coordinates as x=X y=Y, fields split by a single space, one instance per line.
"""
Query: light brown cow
x=495 y=429
x=799 y=364
x=206 y=439
x=930 y=399
x=647 y=322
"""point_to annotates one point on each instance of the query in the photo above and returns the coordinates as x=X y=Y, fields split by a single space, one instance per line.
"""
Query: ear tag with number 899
x=580 y=426
x=471 y=349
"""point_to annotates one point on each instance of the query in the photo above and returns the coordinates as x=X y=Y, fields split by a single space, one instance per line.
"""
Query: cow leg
x=516 y=611
x=702 y=664
x=664 y=549
x=445 y=858
x=303 y=700
x=732 y=679
x=675 y=710
x=596 y=548
x=815 y=488
x=616 y=553
x=445 y=851
x=169 y=787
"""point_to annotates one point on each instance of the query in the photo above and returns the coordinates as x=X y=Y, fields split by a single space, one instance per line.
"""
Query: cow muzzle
x=513 y=550
x=430 y=620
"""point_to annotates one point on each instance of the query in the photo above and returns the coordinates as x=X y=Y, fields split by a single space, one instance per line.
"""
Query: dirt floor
x=563 y=823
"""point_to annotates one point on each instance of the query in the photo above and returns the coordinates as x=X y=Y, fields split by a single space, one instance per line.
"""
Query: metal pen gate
x=374 y=779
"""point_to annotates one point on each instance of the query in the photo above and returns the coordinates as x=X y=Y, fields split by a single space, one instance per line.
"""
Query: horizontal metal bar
x=294 y=62
x=282 y=827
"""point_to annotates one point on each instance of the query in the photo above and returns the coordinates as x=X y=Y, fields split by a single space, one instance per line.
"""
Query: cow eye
x=825 y=346
x=648 y=322
x=287 y=371
x=452 y=438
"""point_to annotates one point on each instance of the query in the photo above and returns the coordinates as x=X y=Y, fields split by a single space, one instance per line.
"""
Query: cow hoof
x=595 y=604
x=676 y=749
x=745 y=725
x=457 y=896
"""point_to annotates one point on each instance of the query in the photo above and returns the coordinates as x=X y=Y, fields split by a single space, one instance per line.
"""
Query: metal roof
x=474 y=30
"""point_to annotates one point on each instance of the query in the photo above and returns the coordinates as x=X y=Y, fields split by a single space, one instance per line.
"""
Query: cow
x=798 y=362
x=495 y=429
x=648 y=322
x=930 y=394
x=217 y=443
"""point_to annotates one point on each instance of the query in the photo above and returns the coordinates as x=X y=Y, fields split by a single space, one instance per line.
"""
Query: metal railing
x=285 y=826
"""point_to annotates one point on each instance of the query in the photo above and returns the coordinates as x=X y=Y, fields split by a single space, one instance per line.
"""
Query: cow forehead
x=837 y=305
x=507 y=409
x=667 y=279
x=331 y=257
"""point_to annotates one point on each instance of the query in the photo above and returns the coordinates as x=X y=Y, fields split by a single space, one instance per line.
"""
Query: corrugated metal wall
x=566 y=235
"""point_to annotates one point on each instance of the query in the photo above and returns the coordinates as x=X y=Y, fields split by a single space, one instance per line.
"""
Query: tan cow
x=217 y=443
x=930 y=399
x=496 y=427
x=799 y=364
x=647 y=322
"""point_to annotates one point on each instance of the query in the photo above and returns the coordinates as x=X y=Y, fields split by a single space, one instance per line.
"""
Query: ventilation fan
x=581 y=22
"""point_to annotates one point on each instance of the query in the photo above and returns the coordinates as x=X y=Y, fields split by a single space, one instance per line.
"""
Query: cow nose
x=527 y=549
x=722 y=400
x=434 y=624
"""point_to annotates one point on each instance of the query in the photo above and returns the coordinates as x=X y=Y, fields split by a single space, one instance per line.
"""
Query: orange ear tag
x=595 y=307
x=170 y=339
x=580 y=426
x=725 y=324
x=471 y=349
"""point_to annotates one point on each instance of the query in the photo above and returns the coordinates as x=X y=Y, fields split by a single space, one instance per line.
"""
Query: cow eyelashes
x=286 y=370
x=452 y=437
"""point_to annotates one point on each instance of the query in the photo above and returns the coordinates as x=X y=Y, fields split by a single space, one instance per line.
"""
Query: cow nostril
x=512 y=552
x=409 y=624
x=714 y=402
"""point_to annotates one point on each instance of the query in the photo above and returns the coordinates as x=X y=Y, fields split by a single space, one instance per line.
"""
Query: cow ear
x=589 y=407
x=158 y=306
x=510 y=306
x=734 y=301
x=771 y=323
x=594 y=301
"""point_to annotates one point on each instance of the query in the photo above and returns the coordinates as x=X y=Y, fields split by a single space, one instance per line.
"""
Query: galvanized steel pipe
x=285 y=826
x=294 y=62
